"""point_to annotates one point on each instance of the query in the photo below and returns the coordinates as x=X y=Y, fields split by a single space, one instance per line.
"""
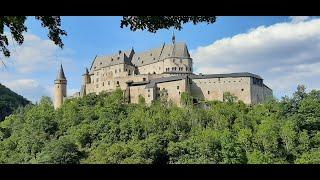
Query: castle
x=164 y=70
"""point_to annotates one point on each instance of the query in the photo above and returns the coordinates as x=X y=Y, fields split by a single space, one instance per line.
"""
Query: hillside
x=103 y=129
x=9 y=101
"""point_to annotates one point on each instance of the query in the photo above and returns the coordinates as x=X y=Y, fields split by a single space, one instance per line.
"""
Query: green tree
x=61 y=151
x=17 y=27
x=228 y=97
x=155 y=23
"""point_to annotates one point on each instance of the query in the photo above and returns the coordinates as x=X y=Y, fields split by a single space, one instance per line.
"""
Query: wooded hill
x=9 y=101
x=103 y=129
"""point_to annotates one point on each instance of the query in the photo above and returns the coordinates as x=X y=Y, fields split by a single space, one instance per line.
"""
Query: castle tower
x=60 y=88
x=86 y=77
x=86 y=80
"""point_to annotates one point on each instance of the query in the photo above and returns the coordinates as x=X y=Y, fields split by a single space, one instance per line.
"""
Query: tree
x=17 y=27
x=141 y=99
x=154 y=23
x=10 y=101
x=61 y=151
x=228 y=97
x=186 y=99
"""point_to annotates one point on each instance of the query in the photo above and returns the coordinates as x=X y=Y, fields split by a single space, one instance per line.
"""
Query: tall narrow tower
x=86 y=80
x=60 y=88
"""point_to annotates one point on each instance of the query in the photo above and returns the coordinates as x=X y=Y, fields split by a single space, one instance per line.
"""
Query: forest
x=103 y=129
x=9 y=101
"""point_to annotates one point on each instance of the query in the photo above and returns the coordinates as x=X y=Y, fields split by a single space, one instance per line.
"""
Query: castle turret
x=86 y=77
x=60 y=88
x=86 y=80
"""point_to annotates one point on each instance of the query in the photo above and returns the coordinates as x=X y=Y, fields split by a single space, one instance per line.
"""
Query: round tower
x=60 y=88
x=86 y=77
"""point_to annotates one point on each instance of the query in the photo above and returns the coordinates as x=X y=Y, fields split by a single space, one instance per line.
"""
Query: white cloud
x=297 y=19
x=284 y=54
x=29 y=88
x=34 y=55
x=32 y=67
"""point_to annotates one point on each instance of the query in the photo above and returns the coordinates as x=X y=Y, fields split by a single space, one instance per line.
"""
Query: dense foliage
x=103 y=129
x=9 y=101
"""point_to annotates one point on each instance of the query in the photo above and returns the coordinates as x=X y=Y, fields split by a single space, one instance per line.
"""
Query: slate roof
x=241 y=74
x=130 y=57
x=61 y=75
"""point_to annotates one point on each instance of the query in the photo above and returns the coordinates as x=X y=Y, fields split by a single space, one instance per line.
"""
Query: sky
x=283 y=50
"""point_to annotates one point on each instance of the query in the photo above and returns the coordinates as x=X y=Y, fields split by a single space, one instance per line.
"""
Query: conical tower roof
x=61 y=74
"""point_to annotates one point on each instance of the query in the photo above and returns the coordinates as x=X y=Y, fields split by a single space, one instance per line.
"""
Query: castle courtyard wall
x=214 y=88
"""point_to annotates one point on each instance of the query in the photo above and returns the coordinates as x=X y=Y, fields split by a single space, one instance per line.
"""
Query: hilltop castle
x=168 y=69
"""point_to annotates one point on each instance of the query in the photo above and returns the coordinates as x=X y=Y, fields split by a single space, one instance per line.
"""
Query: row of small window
x=115 y=71
x=241 y=90
x=97 y=85
x=180 y=69
x=215 y=82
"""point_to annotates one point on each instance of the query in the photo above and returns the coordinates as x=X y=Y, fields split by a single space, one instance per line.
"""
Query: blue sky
x=283 y=50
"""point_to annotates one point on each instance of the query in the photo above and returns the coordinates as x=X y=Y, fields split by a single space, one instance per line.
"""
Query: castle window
x=138 y=58
x=117 y=82
x=101 y=63
x=129 y=73
x=142 y=62
x=58 y=86
x=97 y=80
x=144 y=79
x=111 y=59
x=126 y=69
x=148 y=95
x=150 y=54
x=95 y=67
x=115 y=71
x=208 y=92
x=154 y=72
x=118 y=57
x=148 y=90
x=102 y=83
x=242 y=89
x=97 y=86
x=108 y=82
x=177 y=87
